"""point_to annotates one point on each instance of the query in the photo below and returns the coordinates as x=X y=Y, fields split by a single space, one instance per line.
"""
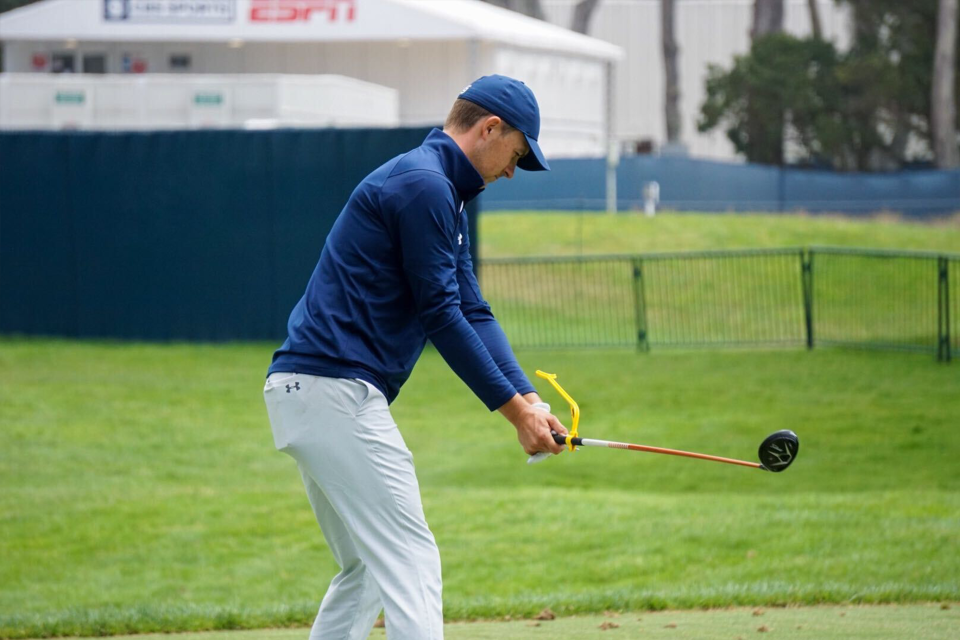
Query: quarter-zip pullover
x=395 y=270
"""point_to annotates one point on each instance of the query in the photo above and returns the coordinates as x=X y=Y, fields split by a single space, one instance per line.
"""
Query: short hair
x=465 y=114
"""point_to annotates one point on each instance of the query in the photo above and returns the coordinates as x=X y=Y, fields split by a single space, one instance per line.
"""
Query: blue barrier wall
x=688 y=184
x=205 y=235
x=212 y=235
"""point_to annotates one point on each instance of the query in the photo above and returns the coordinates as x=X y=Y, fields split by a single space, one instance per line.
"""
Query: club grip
x=543 y=455
x=559 y=439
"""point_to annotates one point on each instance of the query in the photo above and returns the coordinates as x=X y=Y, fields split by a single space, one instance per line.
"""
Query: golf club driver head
x=779 y=450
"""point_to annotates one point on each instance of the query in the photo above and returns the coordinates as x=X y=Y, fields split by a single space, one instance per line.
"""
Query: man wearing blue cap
x=395 y=271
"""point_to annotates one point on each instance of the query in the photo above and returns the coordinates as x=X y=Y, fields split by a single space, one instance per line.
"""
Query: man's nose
x=509 y=171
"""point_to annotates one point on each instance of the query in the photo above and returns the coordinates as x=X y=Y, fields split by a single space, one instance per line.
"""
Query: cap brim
x=533 y=161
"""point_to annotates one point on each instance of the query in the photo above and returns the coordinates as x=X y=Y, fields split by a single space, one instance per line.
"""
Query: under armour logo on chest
x=459 y=239
x=293 y=387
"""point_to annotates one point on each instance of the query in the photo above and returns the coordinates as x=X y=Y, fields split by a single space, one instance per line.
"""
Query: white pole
x=613 y=151
x=651 y=198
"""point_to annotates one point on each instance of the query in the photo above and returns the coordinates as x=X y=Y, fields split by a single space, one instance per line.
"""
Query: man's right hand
x=533 y=425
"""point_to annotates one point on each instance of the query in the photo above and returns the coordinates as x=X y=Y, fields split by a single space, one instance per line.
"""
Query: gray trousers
x=361 y=483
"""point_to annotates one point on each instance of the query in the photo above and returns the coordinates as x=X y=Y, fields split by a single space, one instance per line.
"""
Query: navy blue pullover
x=395 y=270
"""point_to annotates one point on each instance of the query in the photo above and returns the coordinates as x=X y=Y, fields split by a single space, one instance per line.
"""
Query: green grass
x=891 y=622
x=141 y=491
x=510 y=234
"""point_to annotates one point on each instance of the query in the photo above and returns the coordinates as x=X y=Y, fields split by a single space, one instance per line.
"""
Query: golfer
x=394 y=272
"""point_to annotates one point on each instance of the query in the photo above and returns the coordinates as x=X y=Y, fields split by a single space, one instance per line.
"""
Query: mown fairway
x=884 y=622
x=142 y=492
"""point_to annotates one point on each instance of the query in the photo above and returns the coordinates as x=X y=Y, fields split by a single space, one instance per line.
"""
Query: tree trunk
x=815 y=19
x=670 y=51
x=531 y=8
x=767 y=17
x=582 y=14
x=943 y=118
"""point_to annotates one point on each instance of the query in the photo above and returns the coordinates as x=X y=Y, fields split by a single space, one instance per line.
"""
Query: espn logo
x=301 y=10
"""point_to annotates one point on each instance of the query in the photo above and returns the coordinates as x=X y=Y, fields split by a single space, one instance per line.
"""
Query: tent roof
x=306 y=21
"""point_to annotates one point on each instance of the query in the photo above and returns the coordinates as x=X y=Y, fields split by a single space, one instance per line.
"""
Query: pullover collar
x=465 y=178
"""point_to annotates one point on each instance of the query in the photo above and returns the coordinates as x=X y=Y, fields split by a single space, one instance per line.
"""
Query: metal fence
x=775 y=297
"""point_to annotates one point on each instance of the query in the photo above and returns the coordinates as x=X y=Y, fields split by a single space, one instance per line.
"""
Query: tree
x=897 y=40
x=864 y=110
x=582 y=14
x=672 y=75
x=784 y=88
x=943 y=99
x=531 y=8
x=767 y=18
x=815 y=19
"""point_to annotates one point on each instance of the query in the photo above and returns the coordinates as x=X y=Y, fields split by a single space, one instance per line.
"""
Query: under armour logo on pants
x=295 y=385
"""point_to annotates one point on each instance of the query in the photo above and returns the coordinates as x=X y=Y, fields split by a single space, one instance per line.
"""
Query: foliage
x=800 y=100
x=782 y=81
x=899 y=39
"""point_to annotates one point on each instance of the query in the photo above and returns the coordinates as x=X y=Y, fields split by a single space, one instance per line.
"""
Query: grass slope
x=558 y=233
x=755 y=299
x=141 y=491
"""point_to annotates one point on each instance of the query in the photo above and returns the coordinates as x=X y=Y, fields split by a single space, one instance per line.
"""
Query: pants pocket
x=285 y=397
x=353 y=393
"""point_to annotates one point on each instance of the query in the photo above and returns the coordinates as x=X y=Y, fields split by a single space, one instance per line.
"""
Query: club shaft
x=588 y=442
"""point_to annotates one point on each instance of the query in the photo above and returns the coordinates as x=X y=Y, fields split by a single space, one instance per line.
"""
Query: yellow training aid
x=574 y=409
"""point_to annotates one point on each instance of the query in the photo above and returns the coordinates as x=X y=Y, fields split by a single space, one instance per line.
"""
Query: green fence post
x=943 y=311
x=946 y=306
x=640 y=306
x=806 y=276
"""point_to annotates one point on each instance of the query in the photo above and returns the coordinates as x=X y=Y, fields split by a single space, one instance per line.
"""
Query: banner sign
x=302 y=10
x=175 y=11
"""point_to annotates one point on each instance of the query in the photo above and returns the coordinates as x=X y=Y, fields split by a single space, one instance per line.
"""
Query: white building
x=707 y=32
x=425 y=50
x=168 y=101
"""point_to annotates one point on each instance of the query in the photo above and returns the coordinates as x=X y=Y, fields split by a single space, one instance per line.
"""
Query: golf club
x=776 y=453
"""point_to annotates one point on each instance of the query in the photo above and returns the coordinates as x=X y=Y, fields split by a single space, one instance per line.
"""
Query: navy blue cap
x=515 y=103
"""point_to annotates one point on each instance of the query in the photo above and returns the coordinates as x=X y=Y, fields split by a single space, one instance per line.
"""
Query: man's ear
x=489 y=124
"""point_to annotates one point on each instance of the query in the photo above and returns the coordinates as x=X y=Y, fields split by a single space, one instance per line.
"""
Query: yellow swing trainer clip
x=574 y=409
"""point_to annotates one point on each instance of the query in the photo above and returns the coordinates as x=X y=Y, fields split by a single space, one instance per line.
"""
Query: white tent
x=286 y=20
x=427 y=50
